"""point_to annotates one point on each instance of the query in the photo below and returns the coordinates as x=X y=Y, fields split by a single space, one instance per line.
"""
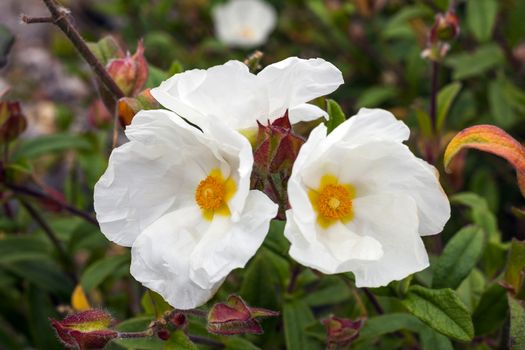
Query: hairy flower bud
x=341 y=331
x=85 y=330
x=446 y=27
x=12 y=121
x=235 y=317
x=130 y=72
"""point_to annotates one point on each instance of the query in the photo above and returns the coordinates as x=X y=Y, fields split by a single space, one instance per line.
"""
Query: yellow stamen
x=213 y=193
x=332 y=201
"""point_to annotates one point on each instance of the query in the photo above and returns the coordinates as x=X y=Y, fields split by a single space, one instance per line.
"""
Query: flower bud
x=235 y=317
x=274 y=154
x=85 y=330
x=341 y=331
x=130 y=72
x=446 y=27
x=163 y=334
x=12 y=121
x=127 y=107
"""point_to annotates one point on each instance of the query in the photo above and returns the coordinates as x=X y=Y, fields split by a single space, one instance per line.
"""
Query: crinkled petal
x=305 y=112
x=295 y=81
x=228 y=92
x=228 y=245
x=161 y=259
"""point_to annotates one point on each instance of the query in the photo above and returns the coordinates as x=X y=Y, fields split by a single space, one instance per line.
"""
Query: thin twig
x=206 y=341
x=33 y=193
x=293 y=279
x=60 y=17
x=29 y=20
x=433 y=95
x=373 y=300
x=51 y=235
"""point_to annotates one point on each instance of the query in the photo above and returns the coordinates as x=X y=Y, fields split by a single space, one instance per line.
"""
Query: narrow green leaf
x=481 y=17
x=24 y=248
x=445 y=99
x=51 y=144
x=459 y=257
x=336 y=115
x=375 y=96
x=517 y=324
x=42 y=273
x=154 y=304
x=297 y=317
x=467 y=65
x=515 y=264
x=442 y=310
x=97 y=272
x=424 y=122
x=179 y=341
x=389 y=323
x=237 y=343
x=491 y=311
x=500 y=108
x=138 y=324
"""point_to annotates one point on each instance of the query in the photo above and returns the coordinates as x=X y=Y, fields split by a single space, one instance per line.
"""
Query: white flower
x=360 y=201
x=181 y=199
x=244 y=23
x=232 y=94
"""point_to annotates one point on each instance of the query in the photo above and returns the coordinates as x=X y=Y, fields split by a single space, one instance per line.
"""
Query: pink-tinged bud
x=128 y=106
x=163 y=334
x=446 y=27
x=131 y=72
x=235 y=317
x=341 y=331
x=12 y=121
x=85 y=330
x=98 y=115
x=179 y=320
x=274 y=154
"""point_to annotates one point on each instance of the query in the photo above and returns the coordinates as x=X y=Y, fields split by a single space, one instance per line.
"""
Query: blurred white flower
x=181 y=199
x=232 y=94
x=244 y=23
x=360 y=201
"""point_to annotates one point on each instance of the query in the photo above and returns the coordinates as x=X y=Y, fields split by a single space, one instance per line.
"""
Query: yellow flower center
x=246 y=32
x=332 y=201
x=213 y=193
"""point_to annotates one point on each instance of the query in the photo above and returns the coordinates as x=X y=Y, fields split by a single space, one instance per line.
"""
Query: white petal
x=161 y=260
x=294 y=81
x=369 y=125
x=228 y=245
x=228 y=92
x=305 y=112
x=393 y=221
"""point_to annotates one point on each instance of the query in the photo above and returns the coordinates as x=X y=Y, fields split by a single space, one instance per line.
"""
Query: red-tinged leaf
x=257 y=312
x=493 y=140
x=142 y=68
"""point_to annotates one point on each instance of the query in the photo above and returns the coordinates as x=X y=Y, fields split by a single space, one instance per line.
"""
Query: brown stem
x=293 y=279
x=433 y=95
x=60 y=17
x=29 y=20
x=372 y=298
x=75 y=211
x=51 y=235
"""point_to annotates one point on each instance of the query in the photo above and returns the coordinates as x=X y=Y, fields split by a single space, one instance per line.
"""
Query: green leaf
x=275 y=240
x=24 y=248
x=330 y=290
x=38 y=146
x=467 y=65
x=180 y=341
x=97 y=272
x=389 y=323
x=481 y=17
x=459 y=257
x=442 y=310
x=336 y=115
x=515 y=264
x=237 y=343
x=445 y=99
x=500 y=108
x=106 y=49
x=471 y=289
x=6 y=43
x=154 y=304
x=431 y=340
x=491 y=311
x=517 y=324
x=297 y=316
x=424 y=122
x=138 y=324
x=375 y=96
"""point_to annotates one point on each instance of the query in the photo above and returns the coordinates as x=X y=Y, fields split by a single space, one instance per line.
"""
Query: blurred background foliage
x=376 y=44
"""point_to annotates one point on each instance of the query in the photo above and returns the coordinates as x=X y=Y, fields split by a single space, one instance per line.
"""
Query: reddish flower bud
x=131 y=72
x=85 y=330
x=163 y=334
x=235 y=317
x=127 y=107
x=341 y=331
x=179 y=320
x=274 y=154
x=12 y=121
x=446 y=27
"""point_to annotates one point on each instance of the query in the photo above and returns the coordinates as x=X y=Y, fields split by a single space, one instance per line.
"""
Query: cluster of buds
x=446 y=28
x=85 y=330
x=341 y=332
x=275 y=151
x=235 y=317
